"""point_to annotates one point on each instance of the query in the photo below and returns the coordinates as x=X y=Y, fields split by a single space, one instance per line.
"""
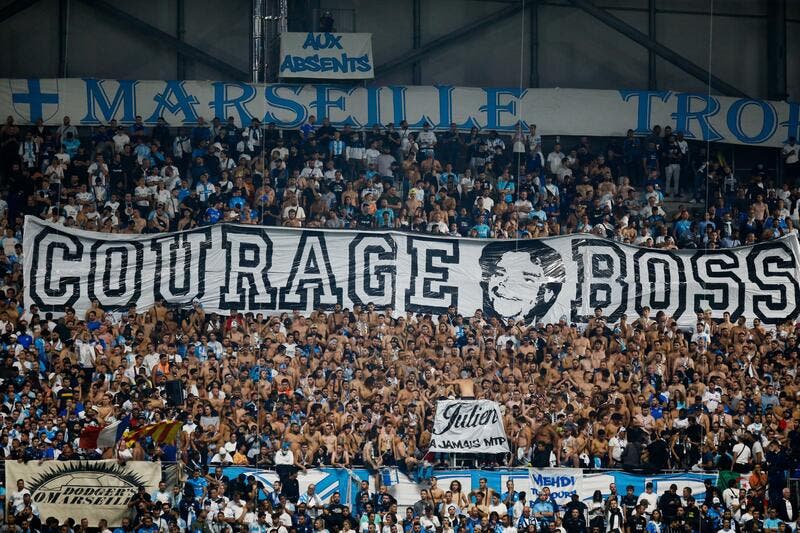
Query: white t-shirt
x=429 y=523
x=757 y=449
x=651 y=499
x=792 y=153
x=311 y=172
x=284 y=458
x=517 y=510
x=142 y=195
x=711 y=398
x=120 y=140
x=86 y=354
x=617 y=445
x=426 y=138
x=731 y=497
x=17 y=497
x=300 y=213
x=84 y=197
x=371 y=155
x=500 y=508
x=222 y=457
x=488 y=202
x=741 y=453
x=554 y=161
x=70 y=211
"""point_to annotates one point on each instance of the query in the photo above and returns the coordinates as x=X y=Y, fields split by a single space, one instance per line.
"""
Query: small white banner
x=468 y=426
x=562 y=482
x=84 y=489
x=326 y=55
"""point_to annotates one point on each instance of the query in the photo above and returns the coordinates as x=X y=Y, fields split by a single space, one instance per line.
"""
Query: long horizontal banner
x=326 y=481
x=326 y=55
x=230 y=267
x=84 y=489
x=562 y=482
x=558 y=111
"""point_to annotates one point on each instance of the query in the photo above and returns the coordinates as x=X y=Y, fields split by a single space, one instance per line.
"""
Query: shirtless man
x=466 y=387
x=437 y=494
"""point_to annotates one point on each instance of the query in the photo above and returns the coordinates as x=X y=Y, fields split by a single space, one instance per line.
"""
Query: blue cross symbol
x=35 y=99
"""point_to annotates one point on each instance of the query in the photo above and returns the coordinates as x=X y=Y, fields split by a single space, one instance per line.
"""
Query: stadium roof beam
x=15 y=7
x=126 y=20
x=776 y=50
x=180 y=32
x=652 y=70
x=666 y=53
x=416 y=19
x=63 y=32
x=448 y=39
x=533 y=44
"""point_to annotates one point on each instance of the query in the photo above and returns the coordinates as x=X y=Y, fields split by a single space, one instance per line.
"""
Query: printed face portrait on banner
x=520 y=280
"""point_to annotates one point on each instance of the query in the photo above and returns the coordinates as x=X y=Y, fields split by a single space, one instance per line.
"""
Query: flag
x=88 y=438
x=726 y=479
x=159 y=432
x=112 y=433
x=93 y=437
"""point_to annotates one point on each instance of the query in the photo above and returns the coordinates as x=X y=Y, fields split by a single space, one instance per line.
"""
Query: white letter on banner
x=721 y=289
x=56 y=267
x=660 y=282
x=96 y=97
x=183 y=103
x=180 y=272
x=373 y=270
x=312 y=284
x=772 y=267
x=602 y=273
x=429 y=292
x=248 y=260
x=115 y=277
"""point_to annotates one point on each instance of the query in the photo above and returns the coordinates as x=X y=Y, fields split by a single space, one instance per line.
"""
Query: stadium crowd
x=479 y=184
x=358 y=386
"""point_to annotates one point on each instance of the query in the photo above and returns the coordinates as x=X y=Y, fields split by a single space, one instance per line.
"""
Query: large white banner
x=326 y=55
x=556 y=111
x=230 y=267
x=468 y=426
x=83 y=489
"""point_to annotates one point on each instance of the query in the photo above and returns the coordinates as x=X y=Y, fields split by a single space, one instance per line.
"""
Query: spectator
x=719 y=396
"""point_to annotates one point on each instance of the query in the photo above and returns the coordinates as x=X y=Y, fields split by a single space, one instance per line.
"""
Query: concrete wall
x=575 y=50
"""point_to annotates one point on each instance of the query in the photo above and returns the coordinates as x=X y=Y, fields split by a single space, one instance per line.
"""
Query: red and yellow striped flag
x=159 y=432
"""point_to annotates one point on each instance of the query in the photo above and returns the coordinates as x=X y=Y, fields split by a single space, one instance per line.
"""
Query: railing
x=793 y=480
